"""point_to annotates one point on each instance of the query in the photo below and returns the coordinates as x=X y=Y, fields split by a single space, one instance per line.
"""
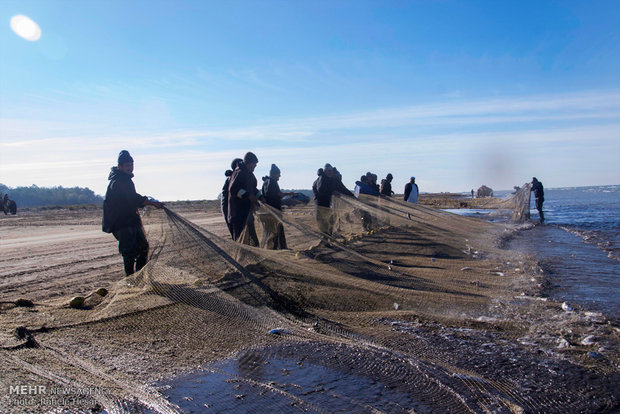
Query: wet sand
x=449 y=330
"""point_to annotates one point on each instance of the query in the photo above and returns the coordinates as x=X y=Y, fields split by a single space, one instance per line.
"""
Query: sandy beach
x=432 y=315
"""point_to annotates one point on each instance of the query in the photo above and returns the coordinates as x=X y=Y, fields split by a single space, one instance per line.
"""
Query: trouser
x=324 y=219
x=273 y=233
x=539 y=204
x=133 y=246
x=243 y=229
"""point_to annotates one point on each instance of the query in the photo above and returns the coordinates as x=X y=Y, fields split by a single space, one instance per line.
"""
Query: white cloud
x=448 y=146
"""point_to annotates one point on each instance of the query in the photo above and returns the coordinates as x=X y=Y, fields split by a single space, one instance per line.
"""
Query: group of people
x=240 y=197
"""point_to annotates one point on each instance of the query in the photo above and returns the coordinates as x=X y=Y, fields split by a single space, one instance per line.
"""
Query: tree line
x=34 y=196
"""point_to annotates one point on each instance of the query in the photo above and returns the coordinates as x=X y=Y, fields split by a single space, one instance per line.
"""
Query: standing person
x=363 y=186
x=411 y=191
x=224 y=198
x=242 y=198
x=3 y=203
x=324 y=187
x=386 y=186
x=273 y=197
x=120 y=215
x=472 y=193
x=319 y=173
x=539 y=193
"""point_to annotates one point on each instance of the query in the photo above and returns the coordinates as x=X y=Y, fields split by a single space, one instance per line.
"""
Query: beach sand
x=438 y=318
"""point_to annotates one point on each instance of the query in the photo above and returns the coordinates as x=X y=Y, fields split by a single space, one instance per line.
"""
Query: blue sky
x=457 y=93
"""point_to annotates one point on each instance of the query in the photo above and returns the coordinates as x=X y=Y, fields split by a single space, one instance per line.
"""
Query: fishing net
x=373 y=305
x=516 y=206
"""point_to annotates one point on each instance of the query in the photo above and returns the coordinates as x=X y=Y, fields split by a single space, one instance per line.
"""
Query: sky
x=456 y=93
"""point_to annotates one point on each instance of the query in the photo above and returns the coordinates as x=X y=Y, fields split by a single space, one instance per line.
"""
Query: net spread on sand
x=377 y=304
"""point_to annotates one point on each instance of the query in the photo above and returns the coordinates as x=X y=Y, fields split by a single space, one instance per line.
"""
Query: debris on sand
x=77 y=302
x=101 y=292
x=24 y=303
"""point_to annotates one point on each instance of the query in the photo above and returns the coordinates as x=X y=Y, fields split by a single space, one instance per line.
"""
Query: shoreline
x=442 y=305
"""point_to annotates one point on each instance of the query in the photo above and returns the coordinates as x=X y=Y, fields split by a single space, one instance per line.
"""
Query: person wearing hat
x=224 y=197
x=274 y=231
x=386 y=186
x=411 y=191
x=120 y=215
x=539 y=194
x=242 y=198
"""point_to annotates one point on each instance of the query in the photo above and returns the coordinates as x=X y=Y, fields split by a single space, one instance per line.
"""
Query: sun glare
x=25 y=27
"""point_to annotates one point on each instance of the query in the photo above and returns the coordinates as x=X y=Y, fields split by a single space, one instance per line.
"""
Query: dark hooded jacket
x=224 y=198
x=386 y=187
x=121 y=202
x=325 y=186
x=271 y=192
x=242 y=184
x=538 y=190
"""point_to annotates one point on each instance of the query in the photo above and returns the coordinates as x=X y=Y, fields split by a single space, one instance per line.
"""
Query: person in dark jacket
x=364 y=186
x=539 y=194
x=386 y=186
x=411 y=191
x=242 y=198
x=319 y=173
x=120 y=215
x=324 y=187
x=224 y=198
x=274 y=237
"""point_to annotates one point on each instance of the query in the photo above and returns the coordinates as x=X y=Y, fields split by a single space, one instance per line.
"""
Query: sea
x=578 y=246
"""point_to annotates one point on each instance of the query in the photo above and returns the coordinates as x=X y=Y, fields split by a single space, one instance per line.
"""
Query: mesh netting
x=516 y=206
x=373 y=305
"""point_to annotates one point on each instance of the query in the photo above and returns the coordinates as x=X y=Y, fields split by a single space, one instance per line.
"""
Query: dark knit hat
x=250 y=158
x=124 y=157
x=389 y=176
x=274 y=170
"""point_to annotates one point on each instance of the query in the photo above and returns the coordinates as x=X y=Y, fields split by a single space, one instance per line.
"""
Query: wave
x=600 y=239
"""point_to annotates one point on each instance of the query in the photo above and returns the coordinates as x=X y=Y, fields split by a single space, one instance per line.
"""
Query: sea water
x=578 y=245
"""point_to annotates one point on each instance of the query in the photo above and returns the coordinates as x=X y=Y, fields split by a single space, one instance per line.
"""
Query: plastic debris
x=566 y=307
x=463 y=269
x=278 y=331
x=588 y=340
x=563 y=343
